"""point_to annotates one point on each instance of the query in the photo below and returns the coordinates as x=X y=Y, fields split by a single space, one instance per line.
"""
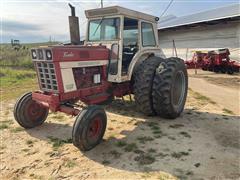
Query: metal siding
x=214 y=14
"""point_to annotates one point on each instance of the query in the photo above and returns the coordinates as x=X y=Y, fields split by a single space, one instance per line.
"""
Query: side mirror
x=113 y=62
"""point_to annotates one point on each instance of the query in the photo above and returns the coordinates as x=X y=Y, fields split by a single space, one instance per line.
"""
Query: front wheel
x=170 y=86
x=28 y=113
x=89 y=128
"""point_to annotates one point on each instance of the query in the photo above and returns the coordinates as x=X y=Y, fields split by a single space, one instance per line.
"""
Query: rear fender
x=141 y=56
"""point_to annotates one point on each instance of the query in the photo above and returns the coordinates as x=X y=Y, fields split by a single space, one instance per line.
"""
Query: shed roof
x=205 y=16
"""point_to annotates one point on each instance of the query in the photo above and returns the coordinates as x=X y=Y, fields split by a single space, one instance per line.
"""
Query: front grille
x=47 y=76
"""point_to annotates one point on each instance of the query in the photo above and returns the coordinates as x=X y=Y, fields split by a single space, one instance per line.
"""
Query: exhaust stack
x=74 y=27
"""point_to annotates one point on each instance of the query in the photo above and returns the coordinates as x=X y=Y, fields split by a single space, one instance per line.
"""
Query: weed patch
x=29 y=142
x=56 y=142
x=17 y=129
x=176 y=126
x=144 y=139
x=178 y=155
x=151 y=150
x=145 y=159
x=115 y=153
x=70 y=164
x=227 y=111
x=130 y=147
x=3 y=126
x=185 y=134
x=121 y=143
x=105 y=162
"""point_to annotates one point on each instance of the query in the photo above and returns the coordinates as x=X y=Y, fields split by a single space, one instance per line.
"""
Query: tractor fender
x=140 y=56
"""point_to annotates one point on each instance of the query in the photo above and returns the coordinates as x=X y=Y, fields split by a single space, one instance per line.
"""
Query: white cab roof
x=117 y=10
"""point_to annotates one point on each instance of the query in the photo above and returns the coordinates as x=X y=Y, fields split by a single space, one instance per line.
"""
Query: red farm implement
x=216 y=61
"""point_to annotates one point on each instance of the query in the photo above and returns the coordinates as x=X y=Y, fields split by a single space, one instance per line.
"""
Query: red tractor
x=121 y=56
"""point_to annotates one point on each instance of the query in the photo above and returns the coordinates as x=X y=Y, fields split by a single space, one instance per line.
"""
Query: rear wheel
x=230 y=70
x=28 y=113
x=143 y=80
x=89 y=128
x=170 y=88
x=223 y=69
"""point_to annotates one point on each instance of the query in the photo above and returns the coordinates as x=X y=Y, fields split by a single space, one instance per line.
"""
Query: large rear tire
x=143 y=80
x=28 y=113
x=170 y=88
x=89 y=128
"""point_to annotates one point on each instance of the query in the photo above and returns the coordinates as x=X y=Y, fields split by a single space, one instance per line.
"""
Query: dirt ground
x=201 y=144
x=223 y=89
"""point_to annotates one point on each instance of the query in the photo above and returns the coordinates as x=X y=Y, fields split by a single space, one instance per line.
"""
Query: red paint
x=213 y=61
x=87 y=91
x=94 y=129
x=80 y=53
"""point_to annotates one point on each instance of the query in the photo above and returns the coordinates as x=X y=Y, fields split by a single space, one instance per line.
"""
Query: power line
x=166 y=8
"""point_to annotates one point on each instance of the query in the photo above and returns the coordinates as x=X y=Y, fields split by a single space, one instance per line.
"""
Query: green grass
x=178 y=155
x=3 y=126
x=115 y=154
x=145 y=159
x=70 y=164
x=105 y=162
x=151 y=150
x=130 y=147
x=29 y=142
x=18 y=58
x=227 y=111
x=17 y=129
x=185 y=134
x=201 y=97
x=121 y=143
x=57 y=143
x=15 y=82
x=144 y=139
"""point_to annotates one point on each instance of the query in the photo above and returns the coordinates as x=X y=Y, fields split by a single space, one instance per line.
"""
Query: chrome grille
x=47 y=76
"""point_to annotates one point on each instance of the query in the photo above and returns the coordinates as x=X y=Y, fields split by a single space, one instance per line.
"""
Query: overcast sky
x=37 y=20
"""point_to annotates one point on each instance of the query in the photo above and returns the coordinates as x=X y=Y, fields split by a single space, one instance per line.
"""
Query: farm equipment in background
x=216 y=61
x=15 y=44
x=113 y=62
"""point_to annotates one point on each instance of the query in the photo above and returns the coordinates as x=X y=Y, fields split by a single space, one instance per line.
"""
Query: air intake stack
x=74 y=27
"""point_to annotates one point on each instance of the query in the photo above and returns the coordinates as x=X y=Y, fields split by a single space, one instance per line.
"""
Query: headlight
x=34 y=54
x=48 y=54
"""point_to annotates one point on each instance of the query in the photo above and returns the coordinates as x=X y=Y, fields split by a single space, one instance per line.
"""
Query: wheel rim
x=179 y=89
x=34 y=111
x=94 y=129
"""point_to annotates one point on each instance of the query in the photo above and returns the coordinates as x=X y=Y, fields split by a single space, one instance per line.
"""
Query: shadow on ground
x=197 y=144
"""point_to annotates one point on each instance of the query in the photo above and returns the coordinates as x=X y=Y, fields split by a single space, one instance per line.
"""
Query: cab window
x=148 y=38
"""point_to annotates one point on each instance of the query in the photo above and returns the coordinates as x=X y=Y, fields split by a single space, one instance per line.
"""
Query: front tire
x=89 y=128
x=170 y=88
x=28 y=113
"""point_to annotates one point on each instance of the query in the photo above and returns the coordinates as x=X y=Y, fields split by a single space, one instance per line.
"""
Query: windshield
x=105 y=29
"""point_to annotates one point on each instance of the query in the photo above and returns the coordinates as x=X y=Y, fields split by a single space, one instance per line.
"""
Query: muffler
x=74 y=27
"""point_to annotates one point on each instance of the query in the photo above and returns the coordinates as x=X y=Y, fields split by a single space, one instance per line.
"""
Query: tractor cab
x=130 y=36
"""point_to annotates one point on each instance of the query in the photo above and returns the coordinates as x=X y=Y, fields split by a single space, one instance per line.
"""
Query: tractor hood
x=71 y=53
